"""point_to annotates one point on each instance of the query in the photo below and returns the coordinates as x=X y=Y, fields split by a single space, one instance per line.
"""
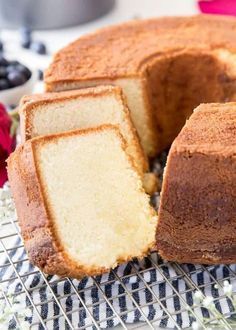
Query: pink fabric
x=223 y=7
x=7 y=142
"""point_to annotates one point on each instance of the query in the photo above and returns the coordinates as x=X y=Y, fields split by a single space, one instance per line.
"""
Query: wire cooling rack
x=143 y=294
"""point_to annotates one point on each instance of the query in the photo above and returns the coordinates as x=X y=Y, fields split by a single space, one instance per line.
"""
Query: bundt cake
x=166 y=67
x=81 y=191
x=80 y=202
x=49 y=113
x=197 y=215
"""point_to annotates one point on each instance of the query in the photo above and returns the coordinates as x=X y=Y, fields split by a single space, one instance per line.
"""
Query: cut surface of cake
x=197 y=216
x=80 y=202
x=165 y=67
x=49 y=113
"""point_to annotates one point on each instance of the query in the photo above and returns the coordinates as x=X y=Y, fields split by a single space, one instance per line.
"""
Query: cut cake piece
x=49 y=113
x=80 y=202
x=197 y=216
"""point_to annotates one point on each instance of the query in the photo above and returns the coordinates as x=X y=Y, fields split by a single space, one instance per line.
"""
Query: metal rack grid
x=64 y=303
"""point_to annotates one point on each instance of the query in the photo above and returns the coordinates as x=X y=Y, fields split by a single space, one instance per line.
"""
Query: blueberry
x=38 y=47
x=3 y=72
x=24 y=70
x=25 y=37
x=11 y=107
x=16 y=78
x=10 y=68
x=40 y=74
x=3 y=61
x=13 y=63
x=25 y=41
x=1 y=46
x=15 y=66
x=4 y=84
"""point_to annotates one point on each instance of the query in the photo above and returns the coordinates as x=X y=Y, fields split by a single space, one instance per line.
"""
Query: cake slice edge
x=40 y=238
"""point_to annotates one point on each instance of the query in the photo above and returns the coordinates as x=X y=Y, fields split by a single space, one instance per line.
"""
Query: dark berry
x=13 y=63
x=3 y=71
x=16 y=78
x=11 y=107
x=25 y=37
x=24 y=70
x=1 y=46
x=40 y=74
x=3 y=61
x=10 y=68
x=4 y=84
x=38 y=47
x=25 y=41
x=15 y=66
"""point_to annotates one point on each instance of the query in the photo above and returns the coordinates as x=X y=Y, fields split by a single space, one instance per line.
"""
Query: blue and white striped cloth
x=137 y=291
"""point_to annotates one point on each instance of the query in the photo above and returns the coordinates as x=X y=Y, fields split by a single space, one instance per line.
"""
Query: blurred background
x=55 y=23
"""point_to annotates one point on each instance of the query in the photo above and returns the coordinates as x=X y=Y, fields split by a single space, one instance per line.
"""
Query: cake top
x=98 y=55
x=211 y=128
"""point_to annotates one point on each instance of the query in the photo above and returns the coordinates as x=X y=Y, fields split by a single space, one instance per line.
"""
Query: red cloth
x=7 y=142
x=223 y=7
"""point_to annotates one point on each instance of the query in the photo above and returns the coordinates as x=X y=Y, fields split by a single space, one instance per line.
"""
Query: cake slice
x=197 y=216
x=80 y=202
x=50 y=113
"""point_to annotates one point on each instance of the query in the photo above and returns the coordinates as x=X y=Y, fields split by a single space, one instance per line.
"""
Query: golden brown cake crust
x=211 y=129
x=197 y=215
x=36 y=228
x=29 y=102
x=40 y=236
x=98 y=55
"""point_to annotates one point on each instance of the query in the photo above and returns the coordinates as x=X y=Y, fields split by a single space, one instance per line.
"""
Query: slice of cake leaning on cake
x=43 y=114
x=80 y=202
x=197 y=216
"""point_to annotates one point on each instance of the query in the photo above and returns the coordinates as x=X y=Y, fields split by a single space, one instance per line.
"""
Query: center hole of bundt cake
x=179 y=83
